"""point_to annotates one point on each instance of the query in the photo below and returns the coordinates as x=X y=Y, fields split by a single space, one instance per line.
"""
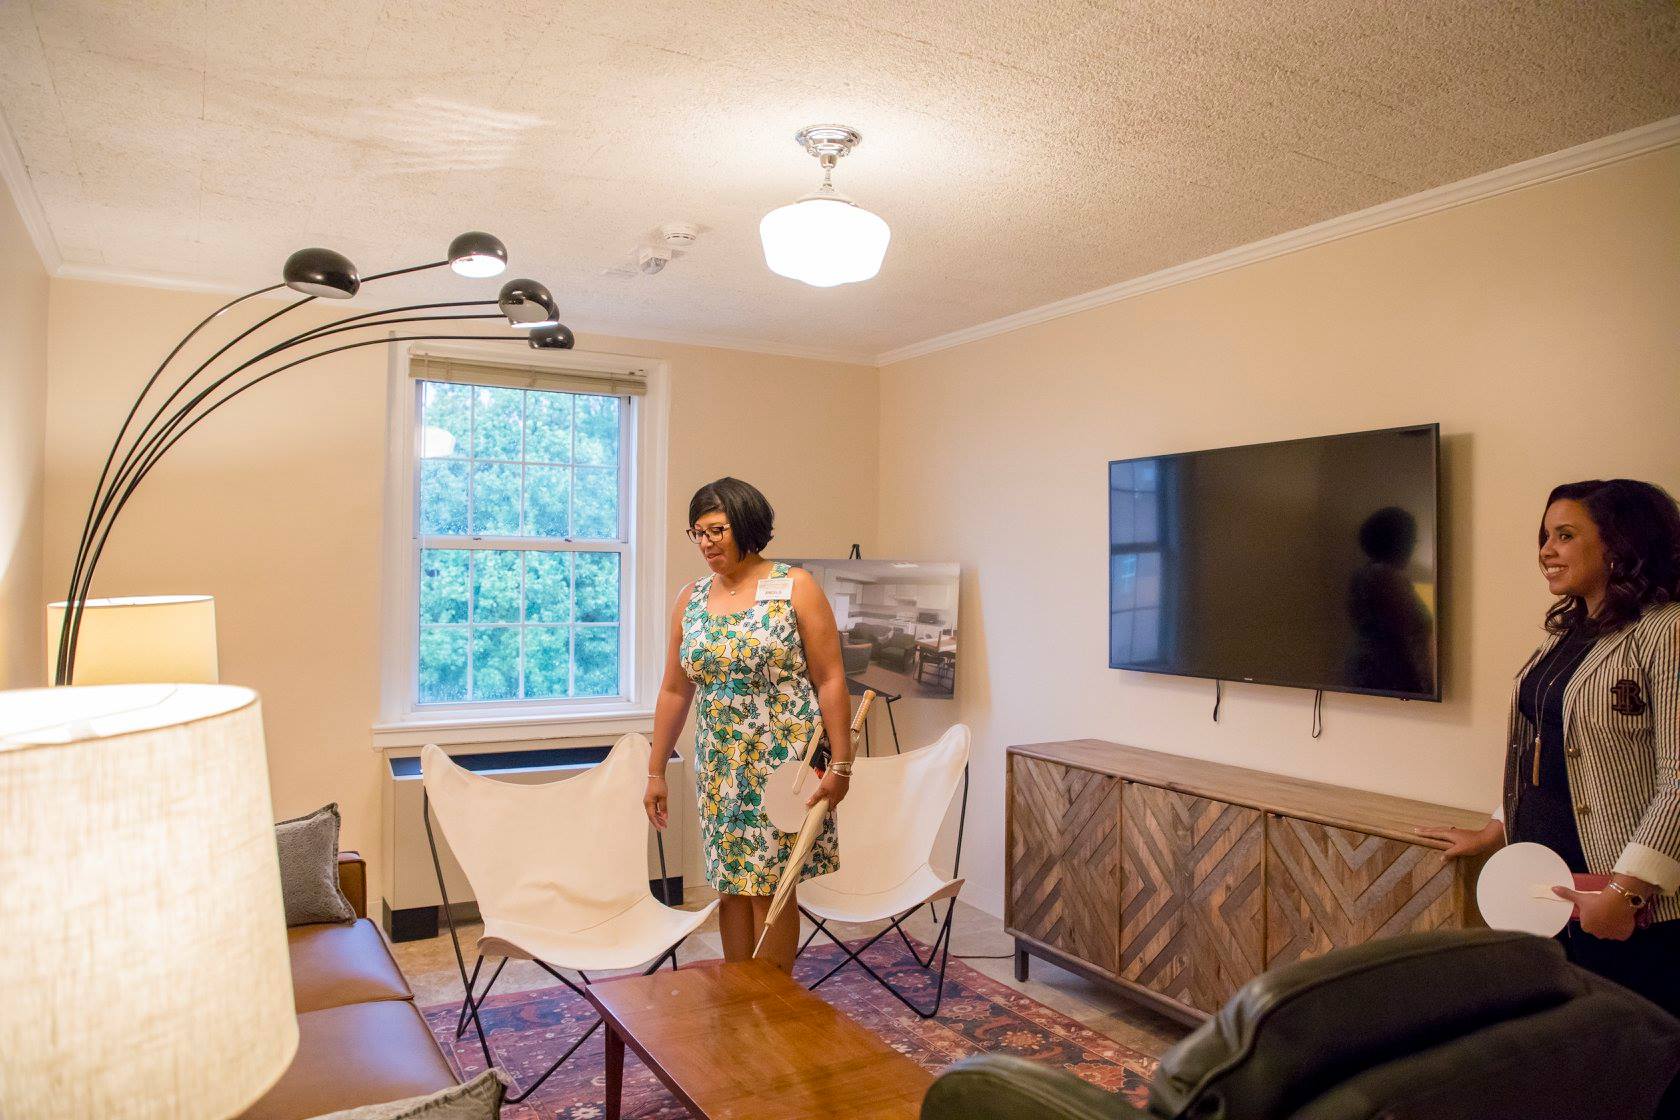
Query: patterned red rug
x=528 y=1030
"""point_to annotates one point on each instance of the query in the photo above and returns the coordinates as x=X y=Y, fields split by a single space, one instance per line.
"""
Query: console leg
x=1020 y=962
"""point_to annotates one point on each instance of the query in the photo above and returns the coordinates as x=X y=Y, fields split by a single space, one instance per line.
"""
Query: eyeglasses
x=714 y=533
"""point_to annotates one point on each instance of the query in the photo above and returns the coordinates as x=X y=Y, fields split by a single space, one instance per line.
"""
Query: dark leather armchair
x=896 y=652
x=1464 y=1025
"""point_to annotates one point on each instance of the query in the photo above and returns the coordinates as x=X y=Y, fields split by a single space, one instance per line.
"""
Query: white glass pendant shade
x=824 y=241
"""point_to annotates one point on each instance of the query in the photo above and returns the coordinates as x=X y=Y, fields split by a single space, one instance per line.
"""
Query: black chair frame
x=471 y=1004
x=941 y=946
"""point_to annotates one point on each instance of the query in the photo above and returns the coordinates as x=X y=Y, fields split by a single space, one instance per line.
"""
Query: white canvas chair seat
x=888 y=823
x=620 y=941
x=837 y=904
x=559 y=872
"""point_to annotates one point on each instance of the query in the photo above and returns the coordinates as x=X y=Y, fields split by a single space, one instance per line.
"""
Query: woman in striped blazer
x=1592 y=766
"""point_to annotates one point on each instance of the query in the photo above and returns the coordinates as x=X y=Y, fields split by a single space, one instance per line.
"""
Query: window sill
x=417 y=731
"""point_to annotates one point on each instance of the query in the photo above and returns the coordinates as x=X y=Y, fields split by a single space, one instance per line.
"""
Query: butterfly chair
x=888 y=823
x=559 y=871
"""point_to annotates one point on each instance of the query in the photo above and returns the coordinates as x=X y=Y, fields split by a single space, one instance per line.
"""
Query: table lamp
x=141 y=640
x=142 y=929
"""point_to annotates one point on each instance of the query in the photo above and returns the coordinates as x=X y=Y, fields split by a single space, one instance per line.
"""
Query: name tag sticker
x=769 y=589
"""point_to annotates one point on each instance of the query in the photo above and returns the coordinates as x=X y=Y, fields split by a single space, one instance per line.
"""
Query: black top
x=1545 y=812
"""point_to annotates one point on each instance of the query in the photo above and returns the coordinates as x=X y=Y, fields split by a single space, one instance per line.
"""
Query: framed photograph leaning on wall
x=897 y=621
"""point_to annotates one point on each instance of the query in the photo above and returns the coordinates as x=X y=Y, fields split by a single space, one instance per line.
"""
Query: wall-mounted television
x=1310 y=563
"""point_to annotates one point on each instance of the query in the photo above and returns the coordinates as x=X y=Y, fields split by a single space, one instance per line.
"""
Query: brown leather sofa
x=361 y=1040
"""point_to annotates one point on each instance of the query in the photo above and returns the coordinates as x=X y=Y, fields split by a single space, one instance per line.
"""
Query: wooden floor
x=977 y=936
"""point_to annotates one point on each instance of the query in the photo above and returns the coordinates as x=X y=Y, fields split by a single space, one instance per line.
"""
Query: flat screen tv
x=1311 y=563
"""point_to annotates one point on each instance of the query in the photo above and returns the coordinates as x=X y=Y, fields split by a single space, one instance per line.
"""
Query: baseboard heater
x=410 y=906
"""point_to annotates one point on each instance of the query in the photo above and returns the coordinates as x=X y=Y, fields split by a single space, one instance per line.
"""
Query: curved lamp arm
x=188 y=380
x=141 y=445
x=116 y=444
x=520 y=301
x=70 y=632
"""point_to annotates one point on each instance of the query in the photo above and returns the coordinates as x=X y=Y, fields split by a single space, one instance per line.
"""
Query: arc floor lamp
x=315 y=274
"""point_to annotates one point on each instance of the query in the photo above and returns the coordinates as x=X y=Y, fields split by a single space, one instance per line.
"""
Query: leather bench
x=361 y=1040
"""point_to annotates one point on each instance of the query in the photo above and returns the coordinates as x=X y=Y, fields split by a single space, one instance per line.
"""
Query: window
x=520 y=573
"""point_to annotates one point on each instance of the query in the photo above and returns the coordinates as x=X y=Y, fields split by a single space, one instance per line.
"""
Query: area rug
x=528 y=1030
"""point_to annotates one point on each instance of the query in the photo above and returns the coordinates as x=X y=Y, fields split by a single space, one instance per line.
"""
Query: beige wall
x=1537 y=327
x=23 y=404
x=1540 y=328
x=274 y=506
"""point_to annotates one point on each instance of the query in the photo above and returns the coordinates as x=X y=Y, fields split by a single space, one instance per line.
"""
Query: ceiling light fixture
x=825 y=238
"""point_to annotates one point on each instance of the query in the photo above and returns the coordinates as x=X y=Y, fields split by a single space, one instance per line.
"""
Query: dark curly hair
x=751 y=520
x=1639 y=525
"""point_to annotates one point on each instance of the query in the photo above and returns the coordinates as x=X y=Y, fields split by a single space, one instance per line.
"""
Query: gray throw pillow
x=478 y=1099
x=309 y=869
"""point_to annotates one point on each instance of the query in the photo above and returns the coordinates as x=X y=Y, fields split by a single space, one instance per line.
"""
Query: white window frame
x=403 y=721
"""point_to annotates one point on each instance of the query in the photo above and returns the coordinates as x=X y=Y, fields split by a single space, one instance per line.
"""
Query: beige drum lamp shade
x=143 y=936
x=168 y=639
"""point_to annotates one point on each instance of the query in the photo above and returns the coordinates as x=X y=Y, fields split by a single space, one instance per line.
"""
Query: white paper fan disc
x=1514 y=890
x=784 y=807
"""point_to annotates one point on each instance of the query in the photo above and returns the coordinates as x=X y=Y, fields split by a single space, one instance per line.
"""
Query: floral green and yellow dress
x=756 y=709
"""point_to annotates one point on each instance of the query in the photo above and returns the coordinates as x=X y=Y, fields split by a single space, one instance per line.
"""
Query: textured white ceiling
x=1022 y=153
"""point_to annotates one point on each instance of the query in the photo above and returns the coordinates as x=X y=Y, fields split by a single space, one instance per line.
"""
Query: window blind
x=514 y=375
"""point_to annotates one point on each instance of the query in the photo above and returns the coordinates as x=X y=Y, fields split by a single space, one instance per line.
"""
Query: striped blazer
x=1621 y=745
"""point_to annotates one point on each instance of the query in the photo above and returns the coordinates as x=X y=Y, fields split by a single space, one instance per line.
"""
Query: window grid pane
x=509 y=634
x=487 y=654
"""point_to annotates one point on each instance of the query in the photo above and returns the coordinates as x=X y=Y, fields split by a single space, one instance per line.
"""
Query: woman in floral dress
x=756 y=642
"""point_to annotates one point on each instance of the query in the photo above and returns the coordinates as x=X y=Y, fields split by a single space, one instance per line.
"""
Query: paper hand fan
x=1515 y=890
x=802 y=846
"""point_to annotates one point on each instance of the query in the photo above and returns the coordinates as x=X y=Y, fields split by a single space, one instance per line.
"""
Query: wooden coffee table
x=744 y=1041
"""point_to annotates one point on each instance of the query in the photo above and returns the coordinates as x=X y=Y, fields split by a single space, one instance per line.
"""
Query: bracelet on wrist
x=1637 y=900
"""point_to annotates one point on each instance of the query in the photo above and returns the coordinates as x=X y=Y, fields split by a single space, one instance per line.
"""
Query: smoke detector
x=678 y=235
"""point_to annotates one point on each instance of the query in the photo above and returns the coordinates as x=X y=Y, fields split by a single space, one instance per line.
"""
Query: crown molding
x=103 y=274
x=15 y=175
x=1529 y=173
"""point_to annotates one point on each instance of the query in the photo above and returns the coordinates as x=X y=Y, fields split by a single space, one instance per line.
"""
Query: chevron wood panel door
x=1064 y=859
x=1327 y=888
x=1037 y=804
x=1191 y=924
x=1154 y=848
x=1225 y=915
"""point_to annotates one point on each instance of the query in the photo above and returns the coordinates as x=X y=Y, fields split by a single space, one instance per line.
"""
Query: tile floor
x=431 y=972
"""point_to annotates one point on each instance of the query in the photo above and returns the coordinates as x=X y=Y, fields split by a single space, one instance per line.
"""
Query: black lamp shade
x=478 y=254
x=555 y=337
x=321 y=272
x=527 y=303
